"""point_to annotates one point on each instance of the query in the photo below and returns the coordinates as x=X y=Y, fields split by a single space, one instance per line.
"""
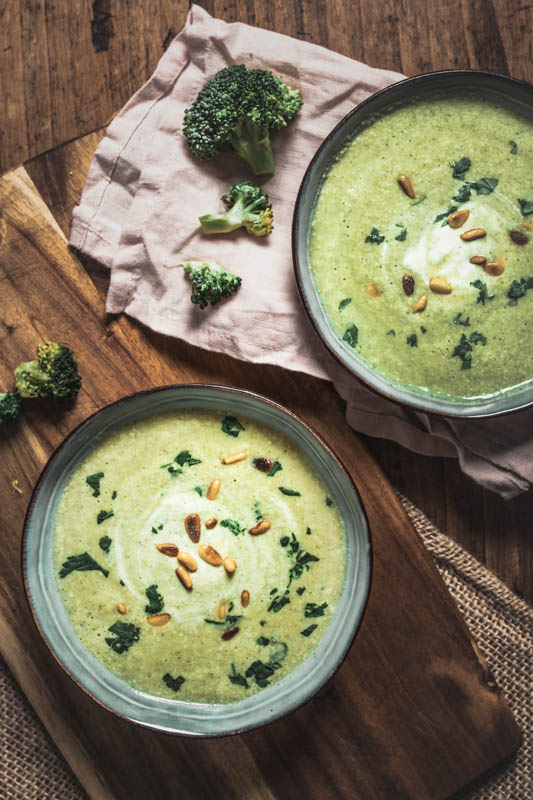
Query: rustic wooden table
x=67 y=66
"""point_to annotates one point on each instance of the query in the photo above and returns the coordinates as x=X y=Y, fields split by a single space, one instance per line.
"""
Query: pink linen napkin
x=139 y=212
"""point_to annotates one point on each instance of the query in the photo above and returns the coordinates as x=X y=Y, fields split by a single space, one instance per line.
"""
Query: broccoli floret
x=9 y=407
x=210 y=283
x=248 y=207
x=240 y=108
x=53 y=374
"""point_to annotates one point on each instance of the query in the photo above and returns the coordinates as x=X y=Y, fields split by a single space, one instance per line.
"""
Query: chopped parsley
x=402 y=236
x=464 y=349
x=155 y=600
x=125 y=635
x=526 y=207
x=412 y=340
x=458 y=321
x=105 y=543
x=518 y=289
x=344 y=303
x=351 y=335
x=423 y=330
x=183 y=458
x=392 y=332
x=280 y=600
x=289 y=492
x=302 y=557
x=419 y=200
x=228 y=622
x=263 y=641
x=308 y=531
x=300 y=590
x=463 y=194
x=199 y=490
x=329 y=501
x=483 y=295
x=261 y=672
x=113 y=495
x=103 y=515
x=314 y=610
x=445 y=214
x=484 y=185
x=276 y=466
x=460 y=168
x=375 y=237
x=83 y=563
x=308 y=631
x=233 y=526
x=159 y=528
x=514 y=147
x=174 y=683
x=231 y=426
x=236 y=677
x=257 y=512
x=93 y=481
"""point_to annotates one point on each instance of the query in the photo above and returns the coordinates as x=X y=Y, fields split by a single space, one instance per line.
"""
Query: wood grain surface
x=412 y=713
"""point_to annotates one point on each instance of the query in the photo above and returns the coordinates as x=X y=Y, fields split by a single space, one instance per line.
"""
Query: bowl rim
x=411 y=402
x=230 y=390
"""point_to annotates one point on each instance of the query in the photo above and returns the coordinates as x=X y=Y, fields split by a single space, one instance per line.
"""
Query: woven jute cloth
x=31 y=768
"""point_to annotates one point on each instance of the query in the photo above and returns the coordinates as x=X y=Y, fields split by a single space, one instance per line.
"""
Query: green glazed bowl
x=175 y=716
x=513 y=92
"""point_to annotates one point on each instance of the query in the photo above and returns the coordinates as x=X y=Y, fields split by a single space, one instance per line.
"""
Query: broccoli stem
x=253 y=144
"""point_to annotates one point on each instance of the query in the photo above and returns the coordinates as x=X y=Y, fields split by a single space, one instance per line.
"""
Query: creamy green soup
x=186 y=491
x=397 y=274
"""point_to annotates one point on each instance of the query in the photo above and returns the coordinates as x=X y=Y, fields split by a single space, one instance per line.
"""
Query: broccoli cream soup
x=199 y=555
x=421 y=245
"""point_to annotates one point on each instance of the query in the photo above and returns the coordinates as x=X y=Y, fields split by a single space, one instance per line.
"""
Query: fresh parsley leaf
x=280 y=600
x=308 y=631
x=125 y=635
x=174 y=683
x=103 y=515
x=199 y=490
x=483 y=296
x=464 y=349
x=82 y=563
x=308 y=531
x=236 y=677
x=460 y=168
x=418 y=200
x=484 y=185
x=514 y=147
x=262 y=622
x=275 y=468
x=113 y=495
x=458 y=321
x=284 y=541
x=105 y=543
x=463 y=194
x=392 y=332
x=185 y=458
x=526 y=206
x=159 y=528
x=229 y=622
x=351 y=335
x=518 y=289
x=233 y=526
x=329 y=501
x=445 y=214
x=260 y=672
x=314 y=610
x=93 y=481
x=423 y=330
x=300 y=590
x=231 y=426
x=344 y=303
x=155 y=600
x=375 y=237
x=257 y=512
x=289 y=492
x=402 y=236
x=412 y=340
x=263 y=641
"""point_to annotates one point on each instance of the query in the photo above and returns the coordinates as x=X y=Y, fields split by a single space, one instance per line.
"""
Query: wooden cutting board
x=413 y=712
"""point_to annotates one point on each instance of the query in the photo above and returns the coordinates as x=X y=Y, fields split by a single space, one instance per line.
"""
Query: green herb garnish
x=199 y=490
x=185 y=458
x=351 y=335
x=174 y=683
x=402 y=236
x=445 y=214
x=375 y=237
x=257 y=512
x=308 y=631
x=526 y=207
x=464 y=193
x=275 y=468
x=314 y=610
x=412 y=340
x=419 y=200
x=105 y=543
x=261 y=672
x=236 y=677
x=289 y=492
x=155 y=600
x=344 y=303
x=300 y=590
x=514 y=147
x=518 y=289
x=277 y=603
x=392 y=332
x=329 y=501
x=103 y=515
x=113 y=495
x=263 y=641
x=231 y=426
x=125 y=635
x=308 y=531
x=484 y=185
x=464 y=349
x=460 y=168
x=483 y=296
x=233 y=526
x=82 y=563
x=159 y=528
x=94 y=482
x=458 y=321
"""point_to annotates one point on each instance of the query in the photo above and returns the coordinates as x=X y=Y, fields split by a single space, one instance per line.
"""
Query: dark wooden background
x=66 y=66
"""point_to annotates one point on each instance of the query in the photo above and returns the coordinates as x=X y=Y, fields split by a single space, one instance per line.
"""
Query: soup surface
x=216 y=632
x=433 y=299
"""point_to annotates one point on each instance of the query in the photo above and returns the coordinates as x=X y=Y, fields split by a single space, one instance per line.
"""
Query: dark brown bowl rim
x=416 y=406
x=229 y=390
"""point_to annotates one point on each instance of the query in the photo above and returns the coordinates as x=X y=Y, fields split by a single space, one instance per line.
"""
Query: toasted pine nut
x=420 y=304
x=157 y=620
x=527 y=225
x=494 y=268
x=245 y=598
x=227 y=635
x=188 y=561
x=193 y=526
x=121 y=608
x=263 y=464
x=439 y=285
x=210 y=555
x=222 y=610
x=184 y=577
x=230 y=565
x=478 y=260
x=458 y=218
x=170 y=550
x=373 y=290
x=262 y=527
x=408 y=284
x=213 y=489
x=240 y=455
x=473 y=233
x=210 y=523
x=407 y=186
x=518 y=237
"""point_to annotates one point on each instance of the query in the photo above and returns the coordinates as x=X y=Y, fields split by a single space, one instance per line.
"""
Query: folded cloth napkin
x=139 y=211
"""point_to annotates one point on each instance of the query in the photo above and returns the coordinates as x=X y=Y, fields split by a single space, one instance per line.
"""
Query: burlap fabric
x=31 y=768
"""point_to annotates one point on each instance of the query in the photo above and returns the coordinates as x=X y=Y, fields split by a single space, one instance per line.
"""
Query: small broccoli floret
x=210 y=283
x=248 y=207
x=9 y=407
x=53 y=374
x=240 y=108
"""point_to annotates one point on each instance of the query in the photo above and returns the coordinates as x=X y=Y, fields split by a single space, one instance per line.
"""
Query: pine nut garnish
x=458 y=218
x=213 y=489
x=408 y=284
x=230 y=565
x=439 y=285
x=121 y=608
x=170 y=550
x=193 y=526
x=227 y=635
x=407 y=186
x=210 y=555
x=373 y=290
x=184 y=577
x=478 y=260
x=263 y=464
x=518 y=237
x=473 y=233
x=527 y=225
x=494 y=268
x=158 y=620
x=245 y=598
x=262 y=527
x=210 y=523
x=188 y=561
x=222 y=610
x=240 y=455
x=420 y=304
